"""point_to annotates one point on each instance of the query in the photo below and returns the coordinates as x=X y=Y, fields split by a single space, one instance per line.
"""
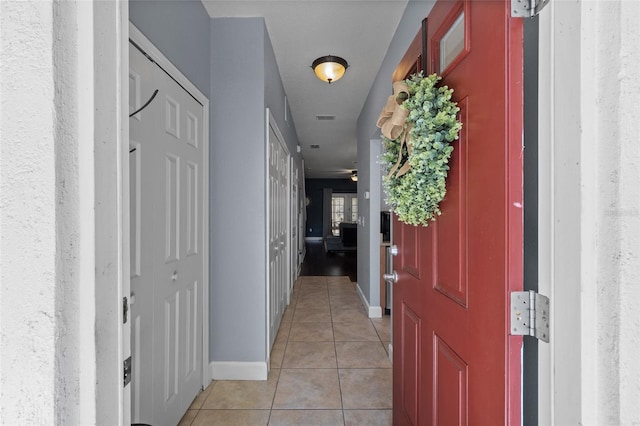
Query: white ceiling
x=359 y=31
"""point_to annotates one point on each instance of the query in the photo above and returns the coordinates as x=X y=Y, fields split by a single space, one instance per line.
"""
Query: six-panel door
x=454 y=360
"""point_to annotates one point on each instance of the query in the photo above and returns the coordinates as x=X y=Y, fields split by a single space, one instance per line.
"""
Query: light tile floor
x=329 y=366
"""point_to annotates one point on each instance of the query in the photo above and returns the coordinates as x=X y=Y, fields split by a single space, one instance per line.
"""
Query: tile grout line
x=335 y=350
x=286 y=343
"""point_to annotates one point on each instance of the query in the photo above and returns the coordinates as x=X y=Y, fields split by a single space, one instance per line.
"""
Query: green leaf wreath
x=432 y=123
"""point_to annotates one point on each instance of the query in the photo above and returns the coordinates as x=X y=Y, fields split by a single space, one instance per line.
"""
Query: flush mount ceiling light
x=354 y=175
x=329 y=68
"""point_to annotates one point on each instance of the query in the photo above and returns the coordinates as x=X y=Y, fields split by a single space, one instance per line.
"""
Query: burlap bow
x=392 y=121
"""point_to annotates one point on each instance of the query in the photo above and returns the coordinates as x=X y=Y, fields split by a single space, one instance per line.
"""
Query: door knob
x=393 y=250
x=174 y=276
x=391 y=278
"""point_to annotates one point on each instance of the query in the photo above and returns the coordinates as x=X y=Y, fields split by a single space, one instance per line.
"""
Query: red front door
x=454 y=360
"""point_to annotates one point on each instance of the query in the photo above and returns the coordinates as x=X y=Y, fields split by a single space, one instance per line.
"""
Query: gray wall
x=245 y=75
x=237 y=204
x=368 y=134
x=164 y=22
x=231 y=61
x=274 y=98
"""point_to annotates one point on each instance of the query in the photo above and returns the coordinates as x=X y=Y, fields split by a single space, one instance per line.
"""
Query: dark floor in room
x=318 y=262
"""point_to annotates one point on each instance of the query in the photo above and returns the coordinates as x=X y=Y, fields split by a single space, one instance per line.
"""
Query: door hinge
x=125 y=310
x=127 y=371
x=530 y=315
x=527 y=8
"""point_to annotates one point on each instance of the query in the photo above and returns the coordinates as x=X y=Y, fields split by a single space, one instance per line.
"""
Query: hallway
x=329 y=366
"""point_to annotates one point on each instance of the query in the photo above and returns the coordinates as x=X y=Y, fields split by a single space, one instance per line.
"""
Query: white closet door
x=168 y=340
x=278 y=197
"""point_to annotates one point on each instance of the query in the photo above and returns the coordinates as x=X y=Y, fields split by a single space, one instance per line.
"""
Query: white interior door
x=278 y=199
x=167 y=195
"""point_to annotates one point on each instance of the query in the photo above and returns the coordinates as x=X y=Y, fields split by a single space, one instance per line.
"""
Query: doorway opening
x=344 y=209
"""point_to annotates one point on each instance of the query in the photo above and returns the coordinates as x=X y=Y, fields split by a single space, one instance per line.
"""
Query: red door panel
x=411 y=255
x=450 y=304
x=450 y=251
x=450 y=375
x=411 y=342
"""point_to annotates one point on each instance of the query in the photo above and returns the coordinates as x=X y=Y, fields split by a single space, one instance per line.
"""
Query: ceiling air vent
x=315 y=146
x=325 y=117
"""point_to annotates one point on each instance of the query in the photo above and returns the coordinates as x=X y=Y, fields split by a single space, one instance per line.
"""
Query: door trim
x=530 y=203
x=108 y=23
x=157 y=56
x=294 y=250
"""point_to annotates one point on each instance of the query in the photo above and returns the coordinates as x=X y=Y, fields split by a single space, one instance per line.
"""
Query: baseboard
x=233 y=370
x=303 y=254
x=313 y=239
x=372 y=311
x=375 y=312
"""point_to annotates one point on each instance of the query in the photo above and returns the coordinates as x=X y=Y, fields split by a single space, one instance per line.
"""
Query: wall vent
x=325 y=117
x=315 y=146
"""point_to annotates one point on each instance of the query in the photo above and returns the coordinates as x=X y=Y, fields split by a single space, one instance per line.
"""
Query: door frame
x=106 y=26
x=569 y=357
x=156 y=55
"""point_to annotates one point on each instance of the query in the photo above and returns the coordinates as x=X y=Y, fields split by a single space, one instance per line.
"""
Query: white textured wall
x=611 y=139
x=28 y=185
x=626 y=205
x=46 y=331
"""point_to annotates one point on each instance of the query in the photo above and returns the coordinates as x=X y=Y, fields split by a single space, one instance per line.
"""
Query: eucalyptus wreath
x=432 y=124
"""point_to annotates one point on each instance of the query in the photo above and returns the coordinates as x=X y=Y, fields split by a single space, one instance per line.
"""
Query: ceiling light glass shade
x=354 y=176
x=329 y=68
